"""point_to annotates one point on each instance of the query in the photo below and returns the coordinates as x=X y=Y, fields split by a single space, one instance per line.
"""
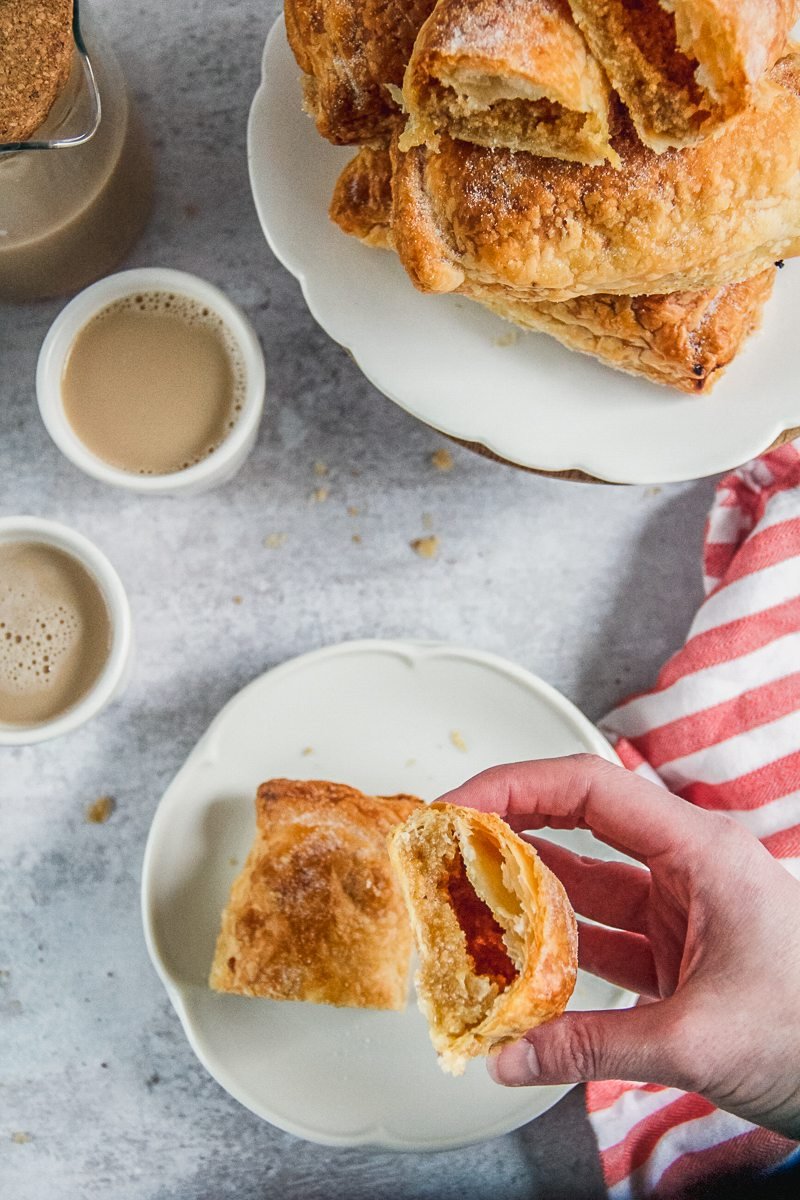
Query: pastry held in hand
x=681 y=221
x=495 y=932
x=684 y=340
x=514 y=73
x=683 y=67
x=316 y=913
x=353 y=54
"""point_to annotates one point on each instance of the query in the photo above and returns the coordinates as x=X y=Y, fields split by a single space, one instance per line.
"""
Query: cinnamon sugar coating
x=683 y=339
x=687 y=220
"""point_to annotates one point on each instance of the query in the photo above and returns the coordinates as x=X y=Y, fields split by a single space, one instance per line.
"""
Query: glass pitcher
x=74 y=198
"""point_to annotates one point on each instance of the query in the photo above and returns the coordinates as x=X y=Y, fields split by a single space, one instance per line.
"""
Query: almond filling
x=653 y=29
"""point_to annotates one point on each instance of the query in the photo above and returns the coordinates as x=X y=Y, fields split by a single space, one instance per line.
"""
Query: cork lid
x=35 y=56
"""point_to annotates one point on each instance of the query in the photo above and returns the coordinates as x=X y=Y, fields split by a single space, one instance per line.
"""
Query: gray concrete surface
x=591 y=587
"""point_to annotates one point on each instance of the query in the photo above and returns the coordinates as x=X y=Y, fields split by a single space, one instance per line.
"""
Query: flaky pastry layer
x=684 y=220
x=514 y=73
x=353 y=54
x=495 y=933
x=684 y=67
x=316 y=913
x=683 y=340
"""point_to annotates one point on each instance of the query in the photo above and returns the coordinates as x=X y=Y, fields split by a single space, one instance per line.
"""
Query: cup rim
x=108 y=682
x=80 y=310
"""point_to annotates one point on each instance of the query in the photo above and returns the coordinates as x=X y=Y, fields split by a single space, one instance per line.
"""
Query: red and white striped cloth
x=721 y=728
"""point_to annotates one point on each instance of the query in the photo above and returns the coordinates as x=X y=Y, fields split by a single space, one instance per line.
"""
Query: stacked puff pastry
x=621 y=174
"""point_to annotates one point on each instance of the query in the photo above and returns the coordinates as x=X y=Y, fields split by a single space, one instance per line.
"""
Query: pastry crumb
x=507 y=339
x=20 y=1137
x=237 y=599
x=274 y=541
x=233 y=862
x=457 y=740
x=319 y=495
x=397 y=95
x=356 y=538
x=442 y=459
x=426 y=547
x=306 y=751
x=98 y=812
x=320 y=469
x=352 y=511
x=411 y=762
x=653 y=491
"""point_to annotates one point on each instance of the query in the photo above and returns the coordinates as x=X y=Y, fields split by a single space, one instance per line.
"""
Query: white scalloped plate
x=377 y=715
x=448 y=362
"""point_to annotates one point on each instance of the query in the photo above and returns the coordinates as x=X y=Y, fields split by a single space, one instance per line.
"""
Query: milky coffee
x=55 y=632
x=153 y=383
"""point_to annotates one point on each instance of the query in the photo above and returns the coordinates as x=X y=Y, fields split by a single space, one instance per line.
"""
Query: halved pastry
x=683 y=67
x=316 y=913
x=514 y=73
x=353 y=54
x=683 y=339
x=495 y=933
x=685 y=220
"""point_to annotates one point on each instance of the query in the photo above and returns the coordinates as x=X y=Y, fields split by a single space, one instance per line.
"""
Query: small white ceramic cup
x=114 y=677
x=226 y=460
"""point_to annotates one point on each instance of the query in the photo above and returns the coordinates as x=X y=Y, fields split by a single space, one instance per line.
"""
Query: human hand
x=711 y=933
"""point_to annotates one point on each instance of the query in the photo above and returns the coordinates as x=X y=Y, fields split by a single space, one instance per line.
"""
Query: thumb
x=631 y=1043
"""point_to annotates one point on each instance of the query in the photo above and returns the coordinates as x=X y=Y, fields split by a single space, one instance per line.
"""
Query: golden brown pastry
x=683 y=67
x=495 y=933
x=514 y=73
x=316 y=913
x=352 y=54
x=684 y=340
x=362 y=197
x=36 y=46
x=692 y=219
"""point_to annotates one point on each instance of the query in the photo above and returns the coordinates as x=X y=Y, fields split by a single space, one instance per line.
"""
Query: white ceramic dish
x=377 y=715
x=449 y=363
x=114 y=677
x=212 y=471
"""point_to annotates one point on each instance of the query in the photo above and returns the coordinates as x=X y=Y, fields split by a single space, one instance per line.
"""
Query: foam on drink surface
x=154 y=383
x=54 y=632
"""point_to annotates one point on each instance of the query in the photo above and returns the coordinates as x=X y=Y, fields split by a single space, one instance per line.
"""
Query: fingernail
x=515 y=1066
